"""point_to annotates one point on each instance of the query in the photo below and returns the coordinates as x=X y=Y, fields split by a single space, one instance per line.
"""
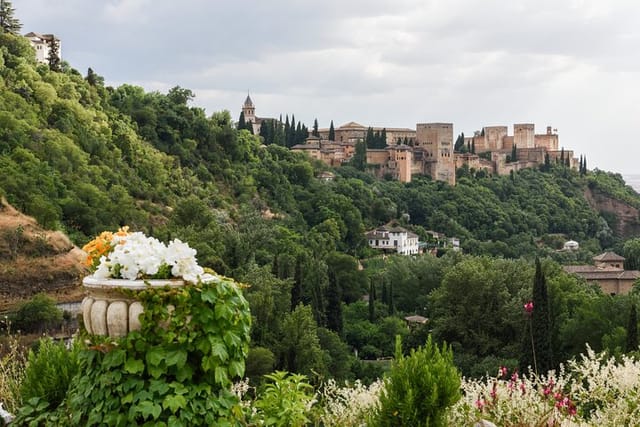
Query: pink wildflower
x=502 y=371
x=528 y=307
x=480 y=404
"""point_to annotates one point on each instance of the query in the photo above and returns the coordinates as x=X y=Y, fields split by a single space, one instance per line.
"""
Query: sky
x=570 y=64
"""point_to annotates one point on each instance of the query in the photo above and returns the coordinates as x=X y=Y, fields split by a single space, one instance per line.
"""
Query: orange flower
x=101 y=245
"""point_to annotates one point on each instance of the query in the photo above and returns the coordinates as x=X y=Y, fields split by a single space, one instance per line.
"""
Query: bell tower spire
x=249 y=109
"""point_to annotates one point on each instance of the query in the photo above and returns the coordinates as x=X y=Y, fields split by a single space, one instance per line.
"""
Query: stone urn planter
x=108 y=311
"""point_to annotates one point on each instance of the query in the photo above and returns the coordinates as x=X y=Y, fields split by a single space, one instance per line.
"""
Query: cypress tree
x=562 y=156
x=315 y=128
x=473 y=147
x=334 y=304
x=241 y=122
x=384 y=297
x=332 y=132
x=383 y=138
x=296 y=289
x=372 y=302
x=370 y=138
x=54 y=54
x=514 y=153
x=538 y=329
x=392 y=308
x=632 y=329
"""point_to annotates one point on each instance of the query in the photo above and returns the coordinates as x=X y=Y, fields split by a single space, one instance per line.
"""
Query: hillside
x=34 y=260
x=81 y=157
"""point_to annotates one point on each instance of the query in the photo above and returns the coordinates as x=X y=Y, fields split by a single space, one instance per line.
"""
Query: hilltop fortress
x=429 y=149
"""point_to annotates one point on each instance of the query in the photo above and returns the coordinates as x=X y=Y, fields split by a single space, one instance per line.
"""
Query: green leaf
x=134 y=366
x=220 y=350
x=148 y=408
x=114 y=359
x=176 y=357
x=155 y=356
x=209 y=295
x=236 y=368
x=221 y=375
x=174 y=402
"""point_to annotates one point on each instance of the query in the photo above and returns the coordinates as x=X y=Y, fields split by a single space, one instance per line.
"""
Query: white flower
x=135 y=256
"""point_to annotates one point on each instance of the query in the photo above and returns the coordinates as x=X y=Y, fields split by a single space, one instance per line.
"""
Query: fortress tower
x=524 y=135
x=436 y=141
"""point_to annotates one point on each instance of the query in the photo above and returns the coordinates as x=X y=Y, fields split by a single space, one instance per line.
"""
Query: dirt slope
x=34 y=260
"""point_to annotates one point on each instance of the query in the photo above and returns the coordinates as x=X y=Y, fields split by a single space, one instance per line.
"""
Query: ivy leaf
x=220 y=350
x=133 y=366
x=176 y=357
x=174 y=402
x=155 y=356
x=221 y=375
x=236 y=368
x=148 y=408
x=114 y=359
x=209 y=295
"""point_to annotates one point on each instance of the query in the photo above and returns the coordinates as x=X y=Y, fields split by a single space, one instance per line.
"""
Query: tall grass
x=13 y=361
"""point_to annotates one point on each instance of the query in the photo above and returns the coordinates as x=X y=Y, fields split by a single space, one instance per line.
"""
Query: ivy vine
x=176 y=371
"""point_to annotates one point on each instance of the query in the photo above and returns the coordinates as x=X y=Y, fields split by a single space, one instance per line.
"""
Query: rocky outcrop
x=627 y=222
x=34 y=260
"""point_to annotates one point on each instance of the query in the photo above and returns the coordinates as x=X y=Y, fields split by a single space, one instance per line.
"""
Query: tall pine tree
x=332 y=132
x=334 y=304
x=632 y=329
x=8 y=23
x=538 y=335
x=315 y=128
x=54 y=54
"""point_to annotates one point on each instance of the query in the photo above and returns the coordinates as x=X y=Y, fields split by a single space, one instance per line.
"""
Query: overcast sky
x=571 y=64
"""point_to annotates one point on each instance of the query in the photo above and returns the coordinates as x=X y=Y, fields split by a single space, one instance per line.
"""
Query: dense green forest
x=83 y=157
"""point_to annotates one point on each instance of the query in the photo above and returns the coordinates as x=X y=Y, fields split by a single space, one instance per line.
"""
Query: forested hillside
x=82 y=157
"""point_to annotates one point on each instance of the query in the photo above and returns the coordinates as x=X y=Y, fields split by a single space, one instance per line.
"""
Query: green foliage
x=179 y=374
x=284 y=400
x=50 y=370
x=632 y=330
x=260 y=361
x=478 y=309
x=8 y=22
x=419 y=388
x=37 y=315
x=300 y=347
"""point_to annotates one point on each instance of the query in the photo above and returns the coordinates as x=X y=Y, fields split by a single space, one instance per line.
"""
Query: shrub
x=49 y=372
x=419 y=388
x=36 y=315
x=284 y=401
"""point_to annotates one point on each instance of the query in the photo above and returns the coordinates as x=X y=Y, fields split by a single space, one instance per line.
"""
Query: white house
x=42 y=45
x=395 y=239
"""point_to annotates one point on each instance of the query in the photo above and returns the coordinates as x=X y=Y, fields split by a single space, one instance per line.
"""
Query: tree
x=631 y=253
x=300 y=345
x=359 y=159
x=459 y=145
x=334 y=303
x=54 y=53
x=8 y=23
x=632 y=329
x=332 y=132
x=537 y=344
x=514 y=153
x=242 y=124
x=315 y=128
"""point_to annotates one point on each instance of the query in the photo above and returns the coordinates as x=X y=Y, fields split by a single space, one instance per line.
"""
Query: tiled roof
x=608 y=257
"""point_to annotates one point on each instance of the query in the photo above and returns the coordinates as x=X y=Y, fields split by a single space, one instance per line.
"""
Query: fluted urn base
x=107 y=310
